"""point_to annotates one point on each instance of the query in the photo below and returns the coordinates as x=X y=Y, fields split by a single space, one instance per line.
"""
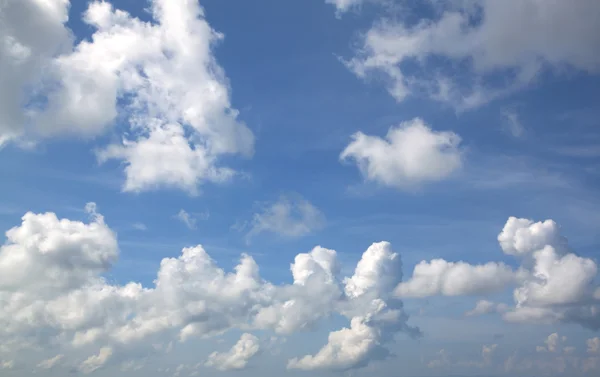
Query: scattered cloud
x=551 y=343
x=593 y=345
x=289 y=216
x=552 y=284
x=51 y=363
x=513 y=123
x=95 y=362
x=140 y=226
x=7 y=364
x=411 y=154
x=486 y=307
x=548 y=35
x=187 y=219
x=238 y=356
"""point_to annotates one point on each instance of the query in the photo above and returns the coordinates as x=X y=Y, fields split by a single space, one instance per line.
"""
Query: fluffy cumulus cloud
x=159 y=79
x=411 y=154
x=59 y=297
x=543 y=35
x=375 y=315
x=289 y=216
x=552 y=284
x=439 y=277
x=238 y=356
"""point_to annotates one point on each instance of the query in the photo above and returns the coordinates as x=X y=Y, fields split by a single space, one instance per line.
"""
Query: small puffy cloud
x=290 y=216
x=95 y=362
x=159 y=80
x=487 y=353
x=439 y=277
x=238 y=356
x=521 y=237
x=543 y=35
x=486 y=307
x=552 y=343
x=411 y=154
x=187 y=219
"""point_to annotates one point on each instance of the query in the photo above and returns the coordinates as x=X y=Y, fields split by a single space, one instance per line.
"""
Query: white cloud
x=550 y=34
x=373 y=323
x=25 y=53
x=160 y=79
x=238 y=356
x=486 y=307
x=552 y=343
x=513 y=123
x=51 y=362
x=552 y=283
x=187 y=219
x=7 y=364
x=593 y=345
x=344 y=5
x=410 y=155
x=69 y=304
x=289 y=216
x=439 y=277
x=140 y=226
x=95 y=362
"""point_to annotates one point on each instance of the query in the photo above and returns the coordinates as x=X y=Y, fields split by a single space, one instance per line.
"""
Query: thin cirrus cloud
x=161 y=74
x=410 y=155
x=543 y=35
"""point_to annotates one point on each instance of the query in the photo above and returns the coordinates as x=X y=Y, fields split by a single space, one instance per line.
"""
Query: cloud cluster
x=543 y=35
x=552 y=283
x=159 y=80
x=70 y=303
x=410 y=155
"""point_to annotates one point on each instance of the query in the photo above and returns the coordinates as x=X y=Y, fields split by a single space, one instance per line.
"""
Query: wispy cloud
x=191 y=219
x=290 y=216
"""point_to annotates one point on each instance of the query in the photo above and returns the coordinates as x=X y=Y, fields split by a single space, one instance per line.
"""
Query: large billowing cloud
x=551 y=34
x=552 y=284
x=411 y=154
x=375 y=315
x=53 y=293
x=159 y=80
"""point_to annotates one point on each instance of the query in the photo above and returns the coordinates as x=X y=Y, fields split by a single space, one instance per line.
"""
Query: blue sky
x=494 y=119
